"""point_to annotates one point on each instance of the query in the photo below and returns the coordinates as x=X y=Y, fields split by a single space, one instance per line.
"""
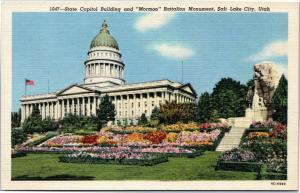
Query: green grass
x=47 y=167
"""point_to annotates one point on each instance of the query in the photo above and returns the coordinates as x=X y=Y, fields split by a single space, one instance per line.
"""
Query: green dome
x=103 y=38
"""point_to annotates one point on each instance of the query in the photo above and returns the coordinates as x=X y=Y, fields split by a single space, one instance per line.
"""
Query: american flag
x=29 y=82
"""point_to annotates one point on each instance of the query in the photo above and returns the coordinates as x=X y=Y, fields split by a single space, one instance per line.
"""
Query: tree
x=49 y=124
x=73 y=123
x=172 y=112
x=280 y=100
x=204 y=108
x=143 y=120
x=155 y=113
x=34 y=122
x=229 y=98
x=106 y=111
x=16 y=119
x=18 y=136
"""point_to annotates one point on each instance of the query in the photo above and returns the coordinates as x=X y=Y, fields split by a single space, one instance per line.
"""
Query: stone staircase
x=231 y=139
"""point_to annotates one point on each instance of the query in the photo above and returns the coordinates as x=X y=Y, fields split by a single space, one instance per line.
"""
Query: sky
x=54 y=46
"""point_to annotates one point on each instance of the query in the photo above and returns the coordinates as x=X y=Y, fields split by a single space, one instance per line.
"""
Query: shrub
x=18 y=136
x=49 y=124
x=239 y=166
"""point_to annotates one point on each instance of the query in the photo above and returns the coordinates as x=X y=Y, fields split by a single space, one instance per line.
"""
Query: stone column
x=94 y=106
x=57 y=107
x=134 y=105
x=82 y=106
x=22 y=113
x=67 y=106
x=88 y=106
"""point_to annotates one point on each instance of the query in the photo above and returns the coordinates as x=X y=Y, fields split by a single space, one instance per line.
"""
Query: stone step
x=232 y=139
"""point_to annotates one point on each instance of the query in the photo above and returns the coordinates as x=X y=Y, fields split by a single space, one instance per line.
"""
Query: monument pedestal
x=259 y=114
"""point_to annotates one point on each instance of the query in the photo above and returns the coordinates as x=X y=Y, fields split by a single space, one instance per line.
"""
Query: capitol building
x=104 y=75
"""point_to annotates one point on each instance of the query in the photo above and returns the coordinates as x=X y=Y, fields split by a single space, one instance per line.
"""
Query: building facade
x=104 y=75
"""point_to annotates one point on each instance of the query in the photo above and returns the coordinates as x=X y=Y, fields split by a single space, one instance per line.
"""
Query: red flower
x=156 y=136
x=205 y=126
x=90 y=139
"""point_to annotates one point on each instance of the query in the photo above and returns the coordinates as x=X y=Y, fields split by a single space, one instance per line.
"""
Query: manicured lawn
x=47 y=167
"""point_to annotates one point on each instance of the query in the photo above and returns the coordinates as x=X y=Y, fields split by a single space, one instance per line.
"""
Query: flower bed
x=267 y=143
x=125 y=158
x=36 y=139
x=130 y=129
x=178 y=127
x=64 y=150
x=213 y=126
x=206 y=140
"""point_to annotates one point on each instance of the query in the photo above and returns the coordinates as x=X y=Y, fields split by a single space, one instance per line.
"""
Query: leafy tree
x=229 y=98
x=280 y=101
x=204 y=108
x=73 y=123
x=16 y=119
x=18 y=136
x=49 y=124
x=106 y=111
x=34 y=122
x=172 y=112
x=143 y=120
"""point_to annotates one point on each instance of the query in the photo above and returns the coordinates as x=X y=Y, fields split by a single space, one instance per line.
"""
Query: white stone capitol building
x=104 y=75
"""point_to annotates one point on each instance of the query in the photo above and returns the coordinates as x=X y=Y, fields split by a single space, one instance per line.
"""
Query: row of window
x=112 y=55
x=139 y=104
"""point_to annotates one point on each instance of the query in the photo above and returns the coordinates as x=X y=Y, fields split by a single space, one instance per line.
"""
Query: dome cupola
x=104 y=65
x=103 y=38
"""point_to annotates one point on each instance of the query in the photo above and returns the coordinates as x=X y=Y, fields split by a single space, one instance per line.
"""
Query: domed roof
x=103 y=38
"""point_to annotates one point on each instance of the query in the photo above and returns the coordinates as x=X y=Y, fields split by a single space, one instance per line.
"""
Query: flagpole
x=25 y=88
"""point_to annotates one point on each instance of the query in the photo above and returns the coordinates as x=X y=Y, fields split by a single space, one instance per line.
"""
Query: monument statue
x=266 y=78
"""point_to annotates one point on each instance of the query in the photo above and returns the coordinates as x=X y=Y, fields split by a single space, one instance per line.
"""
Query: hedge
x=239 y=166
x=91 y=160
x=189 y=155
x=18 y=154
x=272 y=176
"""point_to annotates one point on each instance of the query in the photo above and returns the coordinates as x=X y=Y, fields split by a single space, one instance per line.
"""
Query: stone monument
x=259 y=97
x=266 y=78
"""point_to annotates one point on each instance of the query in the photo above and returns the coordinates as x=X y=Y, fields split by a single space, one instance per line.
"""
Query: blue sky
x=211 y=46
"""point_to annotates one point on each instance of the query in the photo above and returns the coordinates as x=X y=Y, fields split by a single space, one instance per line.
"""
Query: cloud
x=173 y=51
x=282 y=68
x=275 y=49
x=153 y=21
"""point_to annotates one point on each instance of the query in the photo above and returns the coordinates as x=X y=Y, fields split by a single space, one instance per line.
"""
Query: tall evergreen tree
x=34 y=122
x=106 y=111
x=143 y=120
x=280 y=100
x=16 y=119
x=155 y=113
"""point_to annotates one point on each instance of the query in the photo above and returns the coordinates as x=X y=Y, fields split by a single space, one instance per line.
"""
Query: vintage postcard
x=130 y=95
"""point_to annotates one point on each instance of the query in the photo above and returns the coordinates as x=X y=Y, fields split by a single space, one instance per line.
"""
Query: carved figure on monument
x=249 y=97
